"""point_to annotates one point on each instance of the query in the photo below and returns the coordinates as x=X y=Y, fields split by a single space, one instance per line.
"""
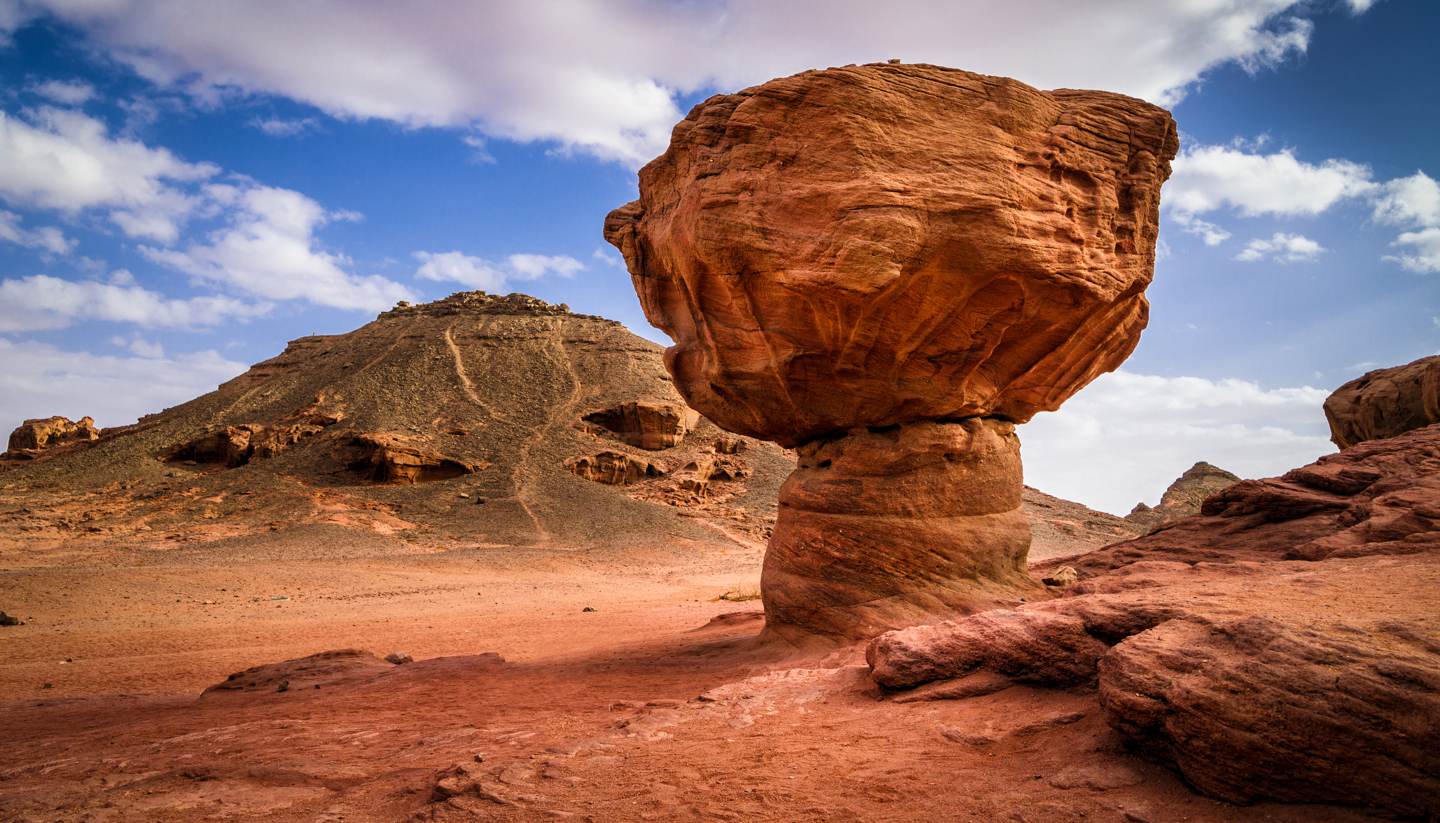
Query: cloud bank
x=604 y=77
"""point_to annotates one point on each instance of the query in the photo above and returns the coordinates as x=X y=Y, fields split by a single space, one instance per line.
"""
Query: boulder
x=646 y=424
x=1385 y=402
x=33 y=437
x=912 y=258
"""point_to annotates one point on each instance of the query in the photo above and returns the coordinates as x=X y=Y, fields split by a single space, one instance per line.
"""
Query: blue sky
x=182 y=191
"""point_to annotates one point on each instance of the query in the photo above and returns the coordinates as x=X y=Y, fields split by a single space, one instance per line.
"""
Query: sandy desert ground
x=658 y=704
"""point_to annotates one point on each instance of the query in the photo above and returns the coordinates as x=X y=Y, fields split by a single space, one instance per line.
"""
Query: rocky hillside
x=476 y=418
x=1183 y=498
x=482 y=418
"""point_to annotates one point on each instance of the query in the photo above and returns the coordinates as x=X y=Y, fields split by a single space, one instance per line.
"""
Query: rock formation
x=1385 y=402
x=612 y=468
x=1184 y=497
x=32 y=437
x=1284 y=644
x=386 y=457
x=886 y=267
x=645 y=424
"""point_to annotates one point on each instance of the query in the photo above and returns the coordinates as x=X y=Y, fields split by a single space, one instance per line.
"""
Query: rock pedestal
x=886 y=527
x=881 y=264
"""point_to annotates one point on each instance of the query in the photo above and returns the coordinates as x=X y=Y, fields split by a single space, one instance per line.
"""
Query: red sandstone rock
x=1385 y=402
x=869 y=536
x=1283 y=645
x=646 y=424
x=886 y=246
x=32 y=437
x=880 y=244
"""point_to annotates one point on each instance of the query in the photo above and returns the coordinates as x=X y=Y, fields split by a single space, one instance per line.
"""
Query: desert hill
x=459 y=419
x=473 y=419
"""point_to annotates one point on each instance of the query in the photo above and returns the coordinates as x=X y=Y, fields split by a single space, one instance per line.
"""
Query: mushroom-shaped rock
x=886 y=266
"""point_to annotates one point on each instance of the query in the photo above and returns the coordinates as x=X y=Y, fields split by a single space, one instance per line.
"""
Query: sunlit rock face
x=889 y=245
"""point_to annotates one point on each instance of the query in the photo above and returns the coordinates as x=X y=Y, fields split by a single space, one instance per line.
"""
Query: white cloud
x=1281 y=248
x=491 y=276
x=40 y=380
x=1409 y=201
x=66 y=160
x=603 y=77
x=65 y=92
x=268 y=248
x=139 y=346
x=1208 y=178
x=1210 y=233
x=1359 y=6
x=281 y=127
x=44 y=302
x=46 y=238
x=1125 y=437
x=1426 y=255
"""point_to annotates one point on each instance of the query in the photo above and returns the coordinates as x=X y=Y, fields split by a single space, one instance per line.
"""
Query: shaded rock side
x=385 y=457
x=870 y=536
x=1385 y=402
x=985 y=253
x=1183 y=497
x=645 y=424
x=32 y=437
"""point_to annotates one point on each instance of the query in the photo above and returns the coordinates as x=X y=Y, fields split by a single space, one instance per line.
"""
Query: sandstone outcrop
x=909 y=257
x=646 y=424
x=234 y=446
x=1183 y=497
x=1385 y=402
x=612 y=468
x=386 y=457
x=1284 y=644
x=33 y=437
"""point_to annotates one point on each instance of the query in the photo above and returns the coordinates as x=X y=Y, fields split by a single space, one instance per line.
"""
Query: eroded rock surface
x=646 y=424
x=612 y=468
x=984 y=252
x=846 y=254
x=386 y=457
x=1385 y=402
x=869 y=536
x=32 y=437
x=1282 y=645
